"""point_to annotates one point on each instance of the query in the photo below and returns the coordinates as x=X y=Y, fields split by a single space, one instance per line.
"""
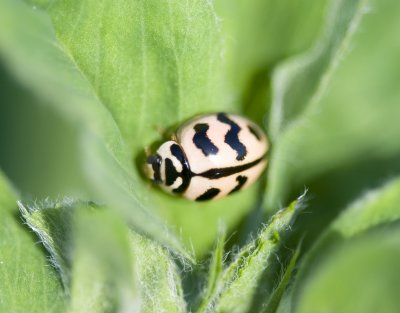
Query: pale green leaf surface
x=376 y=208
x=158 y=276
x=126 y=63
x=106 y=267
x=159 y=55
x=360 y=276
x=239 y=281
x=102 y=272
x=351 y=119
x=137 y=55
x=27 y=281
x=35 y=56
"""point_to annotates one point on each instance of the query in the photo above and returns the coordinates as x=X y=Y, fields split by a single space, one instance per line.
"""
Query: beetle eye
x=155 y=162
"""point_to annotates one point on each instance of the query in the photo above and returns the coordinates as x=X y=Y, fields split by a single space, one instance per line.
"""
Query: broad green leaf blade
x=102 y=273
x=239 y=282
x=351 y=120
x=376 y=208
x=296 y=82
x=360 y=276
x=63 y=81
x=27 y=282
x=104 y=265
x=54 y=77
x=257 y=35
x=50 y=73
x=151 y=63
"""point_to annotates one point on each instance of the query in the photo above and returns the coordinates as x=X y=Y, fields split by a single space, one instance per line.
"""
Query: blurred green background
x=344 y=147
x=341 y=142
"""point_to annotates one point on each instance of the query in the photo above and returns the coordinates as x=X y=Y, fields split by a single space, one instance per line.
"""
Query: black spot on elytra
x=241 y=181
x=185 y=174
x=232 y=138
x=201 y=140
x=209 y=194
x=255 y=132
x=155 y=162
x=171 y=173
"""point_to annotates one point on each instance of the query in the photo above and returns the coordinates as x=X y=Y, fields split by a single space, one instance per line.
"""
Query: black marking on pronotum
x=232 y=138
x=241 y=181
x=185 y=174
x=209 y=194
x=255 y=132
x=216 y=173
x=155 y=162
x=201 y=140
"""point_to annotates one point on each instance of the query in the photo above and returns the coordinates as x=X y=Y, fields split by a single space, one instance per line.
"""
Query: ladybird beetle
x=209 y=157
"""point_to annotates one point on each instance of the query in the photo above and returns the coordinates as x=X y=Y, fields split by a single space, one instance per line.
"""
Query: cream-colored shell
x=247 y=166
x=226 y=156
x=199 y=185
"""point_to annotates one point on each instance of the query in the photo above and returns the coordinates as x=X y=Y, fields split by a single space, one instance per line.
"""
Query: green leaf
x=275 y=299
x=373 y=209
x=216 y=268
x=122 y=71
x=350 y=119
x=296 y=81
x=376 y=208
x=69 y=91
x=27 y=282
x=360 y=276
x=101 y=269
x=238 y=283
x=144 y=54
x=257 y=35
x=158 y=276
x=105 y=266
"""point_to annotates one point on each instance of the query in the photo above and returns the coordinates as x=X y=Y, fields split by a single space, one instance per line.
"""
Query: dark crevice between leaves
x=193 y=283
x=272 y=276
x=272 y=303
x=324 y=204
x=256 y=98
